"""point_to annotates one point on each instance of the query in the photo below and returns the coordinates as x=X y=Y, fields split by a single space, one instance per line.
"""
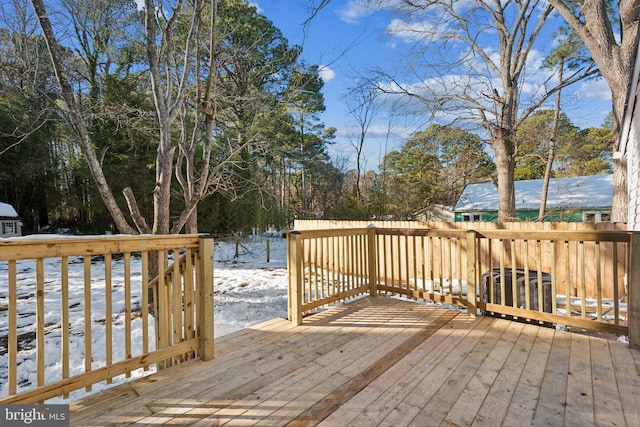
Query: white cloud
x=430 y=30
x=410 y=31
x=355 y=10
x=594 y=89
x=326 y=73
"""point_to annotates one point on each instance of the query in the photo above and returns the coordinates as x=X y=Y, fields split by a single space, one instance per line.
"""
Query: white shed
x=10 y=224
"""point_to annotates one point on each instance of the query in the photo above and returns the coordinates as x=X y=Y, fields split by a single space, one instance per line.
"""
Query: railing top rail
x=548 y=235
x=315 y=234
x=56 y=246
x=559 y=235
x=433 y=232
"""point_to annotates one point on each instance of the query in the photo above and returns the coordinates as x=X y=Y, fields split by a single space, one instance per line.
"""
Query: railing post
x=372 y=252
x=205 y=298
x=633 y=308
x=294 y=268
x=472 y=306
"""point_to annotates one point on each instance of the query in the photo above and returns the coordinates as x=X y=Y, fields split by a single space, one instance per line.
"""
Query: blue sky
x=347 y=39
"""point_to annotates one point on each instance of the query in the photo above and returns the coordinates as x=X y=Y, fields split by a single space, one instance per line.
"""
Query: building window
x=596 y=216
x=9 y=228
x=467 y=217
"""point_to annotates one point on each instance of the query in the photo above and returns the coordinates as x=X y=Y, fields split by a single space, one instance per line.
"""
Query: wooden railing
x=173 y=311
x=325 y=267
x=575 y=278
x=572 y=278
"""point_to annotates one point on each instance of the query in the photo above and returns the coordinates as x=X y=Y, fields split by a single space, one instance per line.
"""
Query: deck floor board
x=388 y=362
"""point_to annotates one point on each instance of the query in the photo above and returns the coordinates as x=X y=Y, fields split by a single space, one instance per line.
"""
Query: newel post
x=294 y=268
x=205 y=298
x=633 y=308
x=472 y=305
x=372 y=251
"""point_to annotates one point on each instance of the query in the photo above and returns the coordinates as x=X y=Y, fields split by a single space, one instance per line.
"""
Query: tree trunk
x=506 y=188
x=503 y=147
x=191 y=225
x=620 y=206
x=162 y=191
x=615 y=59
x=165 y=151
x=552 y=148
x=77 y=121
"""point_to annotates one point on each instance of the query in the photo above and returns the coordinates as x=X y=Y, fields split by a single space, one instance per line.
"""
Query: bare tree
x=566 y=55
x=611 y=36
x=485 y=82
x=77 y=120
x=361 y=101
x=190 y=59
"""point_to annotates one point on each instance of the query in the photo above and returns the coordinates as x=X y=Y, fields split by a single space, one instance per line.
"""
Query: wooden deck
x=383 y=361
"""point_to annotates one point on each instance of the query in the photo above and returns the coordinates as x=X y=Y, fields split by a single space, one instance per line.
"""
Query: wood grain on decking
x=384 y=361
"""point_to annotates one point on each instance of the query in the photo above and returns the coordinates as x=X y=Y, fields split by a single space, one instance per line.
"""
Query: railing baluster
x=326 y=272
x=127 y=307
x=189 y=298
x=393 y=260
x=144 y=267
x=432 y=276
x=472 y=306
x=441 y=268
x=372 y=258
x=415 y=262
x=567 y=277
x=491 y=290
x=318 y=269
x=108 y=310
x=527 y=281
x=352 y=263
x=554 y=289
x=598 y=282
x=459 y=243
x=451 y=259
x=423 y=266
x=502 y=275
x=161 y=305
x=177 y=295
x=514 y=277
x=385 y=260
x=583 y=282
x=309 y=268
x=334 y=267
x=64 y=326
x=539 y=276
x=407 y=258
x=616 y=296
x=12 y=359
x=40 y=350
x=87 y=315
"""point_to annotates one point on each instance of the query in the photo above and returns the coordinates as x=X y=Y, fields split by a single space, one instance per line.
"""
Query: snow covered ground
x=247 y=290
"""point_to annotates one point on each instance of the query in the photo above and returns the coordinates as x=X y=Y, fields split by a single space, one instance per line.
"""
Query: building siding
x=561 y=215
x=633 y=163
x=629 y=145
